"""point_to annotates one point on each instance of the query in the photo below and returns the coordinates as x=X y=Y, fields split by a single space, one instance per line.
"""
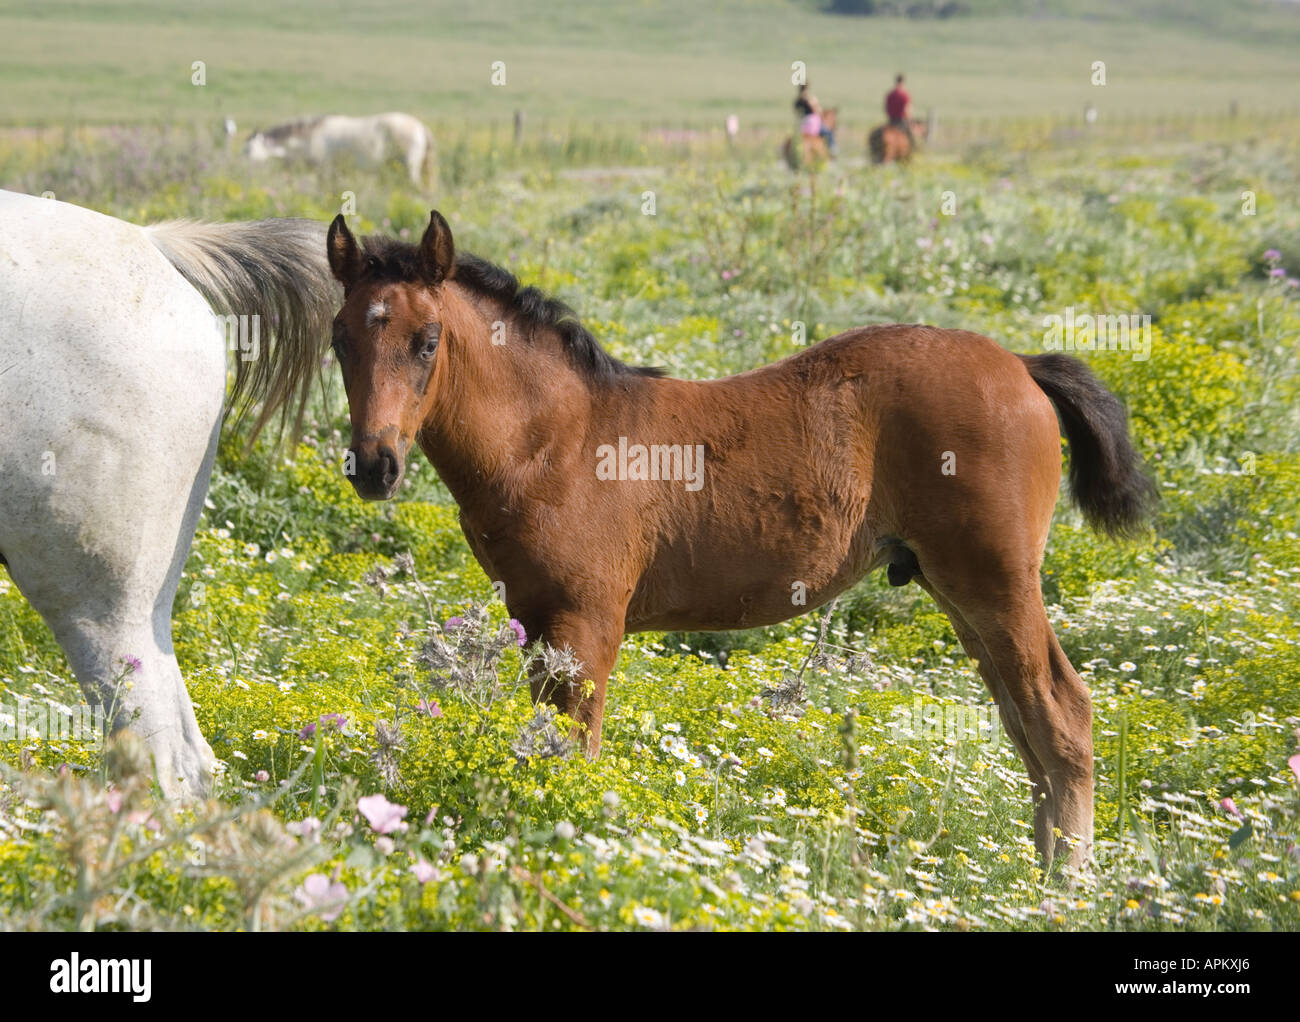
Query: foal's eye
x=426 y=341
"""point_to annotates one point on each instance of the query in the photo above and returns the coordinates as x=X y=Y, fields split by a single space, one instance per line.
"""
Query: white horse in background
x=112 y=385
x=368 y=140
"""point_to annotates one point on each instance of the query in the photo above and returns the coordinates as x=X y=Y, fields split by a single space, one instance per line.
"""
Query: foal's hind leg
x=1044 y=705
x=1010 y=717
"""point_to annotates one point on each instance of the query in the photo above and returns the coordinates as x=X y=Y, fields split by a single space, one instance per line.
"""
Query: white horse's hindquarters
x=113 y=380
x=112 y=377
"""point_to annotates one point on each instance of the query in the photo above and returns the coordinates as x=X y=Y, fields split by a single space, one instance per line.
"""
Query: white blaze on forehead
x=377 y=313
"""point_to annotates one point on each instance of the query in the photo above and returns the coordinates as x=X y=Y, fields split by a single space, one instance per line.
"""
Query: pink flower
x=144 y=818
x=307 y=829
x=318 y=895
x=519 y=631
x=424 y=872
x=132 y=662
x=114 y=800
x=1231 y=806
x=1294 y=764
x=261 y=777
x=308 y=732
x=453 y=623
x=383 y=816
x=428 y=708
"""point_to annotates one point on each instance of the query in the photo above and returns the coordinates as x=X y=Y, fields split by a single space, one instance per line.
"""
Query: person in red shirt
x=898 y=109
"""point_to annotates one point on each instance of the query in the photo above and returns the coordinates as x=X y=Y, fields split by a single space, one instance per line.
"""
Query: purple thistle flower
x=519 y=631
x=1277 y=271
x=308 y=732
x=453 y=623
x=1272 y=256
x=334 y=721
x=132 y=663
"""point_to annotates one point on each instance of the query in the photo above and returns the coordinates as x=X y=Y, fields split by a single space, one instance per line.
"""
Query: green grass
x=675 y=61
x=1186 y=637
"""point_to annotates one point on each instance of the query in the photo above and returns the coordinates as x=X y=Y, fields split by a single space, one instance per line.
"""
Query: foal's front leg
x=594 y=638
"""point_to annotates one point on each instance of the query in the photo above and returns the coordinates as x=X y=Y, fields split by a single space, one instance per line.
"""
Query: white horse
x=113 y=345
x=368 y=140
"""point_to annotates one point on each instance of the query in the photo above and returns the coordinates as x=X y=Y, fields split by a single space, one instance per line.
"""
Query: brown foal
x=609 y=499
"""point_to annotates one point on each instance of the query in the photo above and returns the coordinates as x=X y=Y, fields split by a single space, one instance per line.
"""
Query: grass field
x=770 y=779
x=677 y=60
x=714 y=805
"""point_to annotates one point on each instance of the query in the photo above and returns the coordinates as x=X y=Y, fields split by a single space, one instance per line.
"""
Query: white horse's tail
x=276 y=270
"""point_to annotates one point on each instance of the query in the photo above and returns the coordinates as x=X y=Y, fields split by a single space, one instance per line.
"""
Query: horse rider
x=898 y=108
x=809 y=112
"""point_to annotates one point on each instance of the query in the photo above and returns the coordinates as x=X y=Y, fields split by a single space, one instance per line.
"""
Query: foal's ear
x=437 y=251
x=344 y=255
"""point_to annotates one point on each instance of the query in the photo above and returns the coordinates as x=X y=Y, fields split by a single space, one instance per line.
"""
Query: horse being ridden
x=898 y=104
x=814 y=122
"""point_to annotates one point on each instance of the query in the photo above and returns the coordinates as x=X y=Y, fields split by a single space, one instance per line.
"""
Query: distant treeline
x=890 y=8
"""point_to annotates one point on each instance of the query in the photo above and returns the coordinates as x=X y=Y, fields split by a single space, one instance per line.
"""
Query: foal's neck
x=508 y=405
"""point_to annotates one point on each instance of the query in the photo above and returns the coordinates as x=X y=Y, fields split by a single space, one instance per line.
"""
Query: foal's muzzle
x=378 y=471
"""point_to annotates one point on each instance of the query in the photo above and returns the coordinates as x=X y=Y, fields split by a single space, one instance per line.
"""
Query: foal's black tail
x=1106 y=475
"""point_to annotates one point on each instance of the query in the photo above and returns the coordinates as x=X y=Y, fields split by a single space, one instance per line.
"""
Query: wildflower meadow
x=381 y=763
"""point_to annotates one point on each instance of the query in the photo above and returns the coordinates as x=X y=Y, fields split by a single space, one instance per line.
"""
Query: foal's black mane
x=390 y=259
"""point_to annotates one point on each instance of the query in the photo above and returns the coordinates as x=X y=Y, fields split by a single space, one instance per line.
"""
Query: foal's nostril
x=386 y=468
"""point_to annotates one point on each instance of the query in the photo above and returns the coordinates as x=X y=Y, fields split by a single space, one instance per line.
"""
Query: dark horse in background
x=934 y=452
